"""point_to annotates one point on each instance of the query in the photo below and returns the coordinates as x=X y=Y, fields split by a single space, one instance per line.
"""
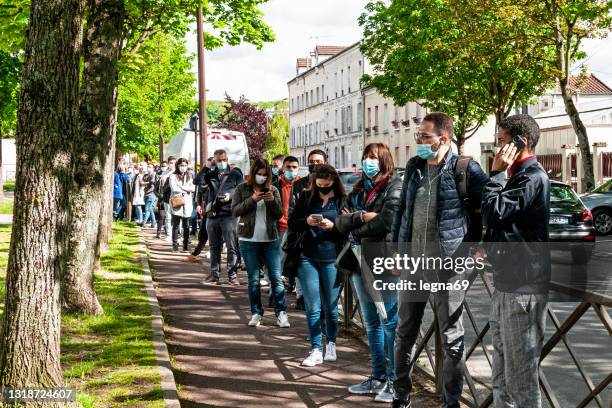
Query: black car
x=571 y=223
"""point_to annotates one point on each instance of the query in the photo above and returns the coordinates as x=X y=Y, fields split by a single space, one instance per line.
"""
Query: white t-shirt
x=260 y=234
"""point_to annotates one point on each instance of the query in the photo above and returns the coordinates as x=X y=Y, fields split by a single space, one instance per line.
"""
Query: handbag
x=292 y=246
x=211 y=211
x=177 y=201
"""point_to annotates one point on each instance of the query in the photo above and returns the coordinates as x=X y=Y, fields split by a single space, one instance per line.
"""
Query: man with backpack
x=440 y=198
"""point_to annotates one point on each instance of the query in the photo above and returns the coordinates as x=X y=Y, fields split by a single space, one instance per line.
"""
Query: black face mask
x=325 y=190
x=311 y=168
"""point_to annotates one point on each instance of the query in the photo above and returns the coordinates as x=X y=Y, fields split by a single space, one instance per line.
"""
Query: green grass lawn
x=110 y=358
x=6 y=206
x=9 y=185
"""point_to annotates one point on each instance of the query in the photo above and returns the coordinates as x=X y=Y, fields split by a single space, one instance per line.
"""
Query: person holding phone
x=258 y=204
x=313 y=219
x=372 y=206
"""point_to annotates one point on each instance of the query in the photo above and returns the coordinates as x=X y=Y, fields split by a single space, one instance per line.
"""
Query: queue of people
x=298 y=229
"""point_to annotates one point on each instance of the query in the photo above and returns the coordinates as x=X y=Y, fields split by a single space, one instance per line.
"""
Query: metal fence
x=478 y=392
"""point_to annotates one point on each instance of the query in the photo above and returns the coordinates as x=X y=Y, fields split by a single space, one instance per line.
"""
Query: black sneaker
x=299 y=303
x=397 y=403
x=174 y=248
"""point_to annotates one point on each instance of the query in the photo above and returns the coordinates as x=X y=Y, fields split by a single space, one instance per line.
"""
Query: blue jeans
x=117 y=207
x=381 y=334
x=149 y=200
x=253 y=254
x=321 y=293
x=138 y=214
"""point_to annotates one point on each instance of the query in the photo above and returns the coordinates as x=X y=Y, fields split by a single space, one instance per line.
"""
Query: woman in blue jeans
x=258 y=204
x=372 y=205
x=314 y=217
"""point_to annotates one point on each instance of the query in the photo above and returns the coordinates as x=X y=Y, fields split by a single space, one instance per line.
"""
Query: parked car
x=599 y=201
x=571 y=223
x=349 y=177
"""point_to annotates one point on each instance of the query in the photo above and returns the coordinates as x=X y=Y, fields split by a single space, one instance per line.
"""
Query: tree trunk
x=1 y=170
x=88 y=201
x=47 y=125
x=581 y=134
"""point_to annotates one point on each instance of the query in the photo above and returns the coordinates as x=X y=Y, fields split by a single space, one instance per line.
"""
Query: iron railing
x=479 y=391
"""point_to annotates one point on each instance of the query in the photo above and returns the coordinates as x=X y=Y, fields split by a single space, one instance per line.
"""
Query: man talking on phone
x=515 y=211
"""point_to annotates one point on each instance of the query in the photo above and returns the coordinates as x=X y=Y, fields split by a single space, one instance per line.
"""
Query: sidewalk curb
x=168 y=385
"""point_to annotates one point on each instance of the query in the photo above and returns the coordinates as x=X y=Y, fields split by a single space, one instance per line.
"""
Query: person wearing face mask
x=285 y=184
x=277 y=167
x=149 y=181
x=201 y=196
x=313 y=218
x=221 y=224
x=371 y=208
x=165 y=197
x=258 y=205
x=432 y=219
x=181 y=202
x=119 y=195
x=159 y=192
x=138 y=187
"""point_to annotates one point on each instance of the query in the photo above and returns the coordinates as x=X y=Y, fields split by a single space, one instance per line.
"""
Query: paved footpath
x=218 y=361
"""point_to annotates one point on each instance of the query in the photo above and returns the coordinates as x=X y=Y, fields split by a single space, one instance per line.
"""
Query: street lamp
x=194 y=119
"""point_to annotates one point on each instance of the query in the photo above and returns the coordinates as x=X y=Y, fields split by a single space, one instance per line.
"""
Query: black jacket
x=297 y=218
x=451 y=215
x=385 y=204
x=296 y=191
x=214 y=179
x=515 y=211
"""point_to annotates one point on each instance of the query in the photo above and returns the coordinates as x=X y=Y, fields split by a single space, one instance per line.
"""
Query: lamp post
x=202 y=87
x=193 y=127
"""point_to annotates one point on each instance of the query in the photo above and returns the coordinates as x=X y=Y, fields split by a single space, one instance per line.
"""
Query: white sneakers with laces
x=282 y=320
x=330 y=352
x=255 y=320
x=314 y=358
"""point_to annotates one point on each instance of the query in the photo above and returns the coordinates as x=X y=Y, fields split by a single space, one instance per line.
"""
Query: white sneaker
x=283 y=320
x=207 y=254
x=330 y=351
x=315 y=357
x=263 y=282
x=255 y=320
x=168 y=238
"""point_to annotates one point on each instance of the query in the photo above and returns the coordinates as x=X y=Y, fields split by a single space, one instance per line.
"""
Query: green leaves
x=156 y=92
x=10 y=67
x=468 y=58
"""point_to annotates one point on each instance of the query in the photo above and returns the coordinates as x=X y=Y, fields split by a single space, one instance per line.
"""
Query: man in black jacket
x=200 y=200
x=515 y=212
x=221 y=224
x=432 y=219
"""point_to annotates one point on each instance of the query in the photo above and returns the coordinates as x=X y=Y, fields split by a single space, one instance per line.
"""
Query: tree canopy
x=156 y=94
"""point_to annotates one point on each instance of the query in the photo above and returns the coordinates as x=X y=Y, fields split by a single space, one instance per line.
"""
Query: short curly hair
x=523 y=125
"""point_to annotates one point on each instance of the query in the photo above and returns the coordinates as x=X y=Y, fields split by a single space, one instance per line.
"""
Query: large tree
x=231 y=22
x=278 y=131
x=440 y=53
x=242 y=116
x=47 y=126
x=563 y=25
x=156 y=94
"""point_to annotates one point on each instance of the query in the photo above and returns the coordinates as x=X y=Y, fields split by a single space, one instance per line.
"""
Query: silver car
x=599 y=201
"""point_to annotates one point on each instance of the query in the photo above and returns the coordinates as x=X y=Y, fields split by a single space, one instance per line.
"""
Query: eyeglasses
x=420 y=136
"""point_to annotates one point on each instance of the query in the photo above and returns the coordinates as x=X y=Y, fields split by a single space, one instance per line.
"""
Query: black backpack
x=165 y=190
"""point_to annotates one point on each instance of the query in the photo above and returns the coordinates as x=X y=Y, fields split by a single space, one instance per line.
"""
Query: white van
x=234 y=143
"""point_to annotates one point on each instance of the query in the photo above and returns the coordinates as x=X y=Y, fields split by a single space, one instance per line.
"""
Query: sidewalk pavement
x=218 y=361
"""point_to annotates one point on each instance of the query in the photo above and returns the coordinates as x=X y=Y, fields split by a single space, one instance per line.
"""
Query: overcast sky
x=263 y=75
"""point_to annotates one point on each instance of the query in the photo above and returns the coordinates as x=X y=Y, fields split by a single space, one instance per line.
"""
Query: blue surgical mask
x=370 y=167
x=289 y=175
x=221 y=165
x=424 y=151
x=275 y=171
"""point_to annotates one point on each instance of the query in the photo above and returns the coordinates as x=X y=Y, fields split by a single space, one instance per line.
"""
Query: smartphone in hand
x=519 y=142
x=317 y=217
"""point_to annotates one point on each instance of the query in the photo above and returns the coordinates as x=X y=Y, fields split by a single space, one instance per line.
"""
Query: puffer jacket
x=385 y=204
x=244 y=207
x=515 y=213
x=451 y=217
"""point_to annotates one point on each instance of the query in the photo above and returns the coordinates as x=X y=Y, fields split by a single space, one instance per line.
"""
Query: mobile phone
x=265 y=190
x=317 y=217
x=519 y=142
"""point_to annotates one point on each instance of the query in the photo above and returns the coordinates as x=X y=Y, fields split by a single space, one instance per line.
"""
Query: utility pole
x=202 y=90
x=161 y=106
